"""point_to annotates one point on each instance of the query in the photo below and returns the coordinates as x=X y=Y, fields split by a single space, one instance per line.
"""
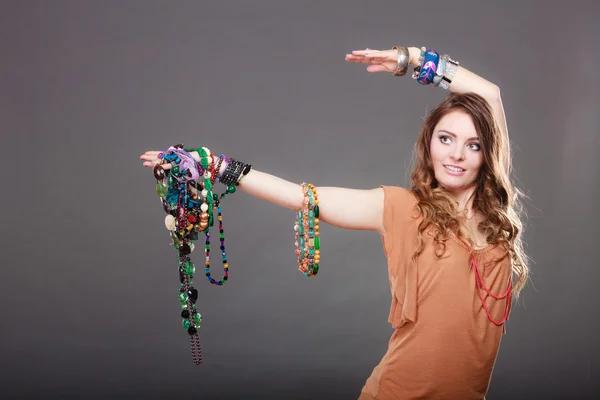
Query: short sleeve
x=398 y=211
x=400 y=221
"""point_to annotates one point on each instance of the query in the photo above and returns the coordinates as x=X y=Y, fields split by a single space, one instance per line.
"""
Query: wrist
x=413 y=56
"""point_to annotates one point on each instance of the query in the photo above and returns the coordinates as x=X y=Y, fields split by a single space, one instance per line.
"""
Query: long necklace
x=187 y=197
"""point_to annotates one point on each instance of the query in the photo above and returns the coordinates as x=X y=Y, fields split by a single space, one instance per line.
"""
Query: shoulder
x=398 y=198
x=399 y=207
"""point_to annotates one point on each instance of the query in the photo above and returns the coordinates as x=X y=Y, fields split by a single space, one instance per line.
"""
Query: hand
x=151 y=159
x=380 y=60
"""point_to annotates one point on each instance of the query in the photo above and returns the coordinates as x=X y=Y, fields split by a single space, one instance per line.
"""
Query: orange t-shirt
x=444 y=346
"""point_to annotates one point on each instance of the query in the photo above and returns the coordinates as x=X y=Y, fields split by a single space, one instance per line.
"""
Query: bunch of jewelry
x=186 y=192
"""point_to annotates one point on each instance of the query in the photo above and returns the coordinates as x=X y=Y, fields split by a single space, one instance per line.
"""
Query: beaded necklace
x=481 y=285
x=186 y=194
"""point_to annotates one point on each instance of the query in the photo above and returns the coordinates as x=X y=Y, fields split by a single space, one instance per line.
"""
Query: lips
x=454 y=170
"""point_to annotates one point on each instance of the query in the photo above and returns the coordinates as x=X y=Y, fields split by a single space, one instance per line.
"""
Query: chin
x=455 y=185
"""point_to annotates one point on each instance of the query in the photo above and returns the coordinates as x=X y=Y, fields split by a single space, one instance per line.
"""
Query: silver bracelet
x=403 y=59
x=439 y=73
x=450 y=71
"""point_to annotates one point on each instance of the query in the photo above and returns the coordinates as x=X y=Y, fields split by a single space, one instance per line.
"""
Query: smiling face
x=456 y=154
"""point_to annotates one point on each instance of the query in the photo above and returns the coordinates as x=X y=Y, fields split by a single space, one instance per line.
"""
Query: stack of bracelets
x=308 y=244
x=432 y=68
x=186 y=194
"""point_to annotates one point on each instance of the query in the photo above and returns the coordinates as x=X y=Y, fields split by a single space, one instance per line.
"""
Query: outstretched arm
x=464 y=81
x=344 y=208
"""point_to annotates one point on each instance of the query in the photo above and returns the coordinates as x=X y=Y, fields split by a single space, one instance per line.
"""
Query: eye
x=445 y=139
x=475 y=146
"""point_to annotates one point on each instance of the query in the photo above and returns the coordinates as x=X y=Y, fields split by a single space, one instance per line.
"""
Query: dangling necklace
x=188 y=214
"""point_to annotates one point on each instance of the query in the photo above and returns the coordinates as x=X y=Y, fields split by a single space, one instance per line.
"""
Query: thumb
x=377 y=68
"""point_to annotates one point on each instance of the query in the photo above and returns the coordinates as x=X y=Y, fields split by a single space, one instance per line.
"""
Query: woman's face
x=455 y=152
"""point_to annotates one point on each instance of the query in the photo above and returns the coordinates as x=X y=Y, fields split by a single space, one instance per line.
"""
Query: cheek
x=476 y=162
x=435 y=152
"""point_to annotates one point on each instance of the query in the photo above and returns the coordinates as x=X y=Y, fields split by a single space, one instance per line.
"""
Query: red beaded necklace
x=480 y=284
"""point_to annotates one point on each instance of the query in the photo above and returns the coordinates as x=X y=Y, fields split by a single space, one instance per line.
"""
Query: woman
x=453 y=240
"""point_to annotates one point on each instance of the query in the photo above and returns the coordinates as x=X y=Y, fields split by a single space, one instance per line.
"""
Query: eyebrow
x=454 y=135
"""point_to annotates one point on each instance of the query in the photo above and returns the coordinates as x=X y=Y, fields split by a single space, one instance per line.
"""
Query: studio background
x=89 y=282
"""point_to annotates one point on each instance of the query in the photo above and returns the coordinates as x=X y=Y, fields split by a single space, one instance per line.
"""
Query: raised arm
x=464 y=81
x=344 y=208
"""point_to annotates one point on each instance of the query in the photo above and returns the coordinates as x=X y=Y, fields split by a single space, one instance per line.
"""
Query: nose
x=458 y=153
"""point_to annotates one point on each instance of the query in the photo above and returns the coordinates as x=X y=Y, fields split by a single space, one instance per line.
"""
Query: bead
x=204 y=193
x=185 y=249
x=204 y=207
x=170 y=222
x=190 y=268
x=185 y=314
x=175 y=169
x=186 y=323
x=159 y=172
x=193 y=294
x=192 y=331
x=231 y=189
x=317 y=243
x=175 y=239
x=316 y=211
x=183 y=297
x=161 y=190
x=197 y=318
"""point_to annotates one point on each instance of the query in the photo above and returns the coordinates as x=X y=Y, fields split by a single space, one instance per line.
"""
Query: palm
x=378 y=60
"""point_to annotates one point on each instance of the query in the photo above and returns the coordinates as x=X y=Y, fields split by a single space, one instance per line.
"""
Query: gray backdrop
x=89 y=283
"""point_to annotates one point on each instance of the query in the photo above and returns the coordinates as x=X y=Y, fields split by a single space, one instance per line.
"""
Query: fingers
x=378 y=68
x=151 y=159
x=358 y=59
x=375 y=53
x=153 y=163
x=369 y=60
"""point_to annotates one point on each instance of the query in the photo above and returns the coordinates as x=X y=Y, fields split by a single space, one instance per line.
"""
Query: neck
x=465 y=201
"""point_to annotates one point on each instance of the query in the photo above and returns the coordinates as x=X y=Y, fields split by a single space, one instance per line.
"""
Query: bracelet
x=403 y=60
x=306 y=229
x=439 y=73
x=234 y=172
x=451 y=67
x=417 y=69
x=428 y=70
